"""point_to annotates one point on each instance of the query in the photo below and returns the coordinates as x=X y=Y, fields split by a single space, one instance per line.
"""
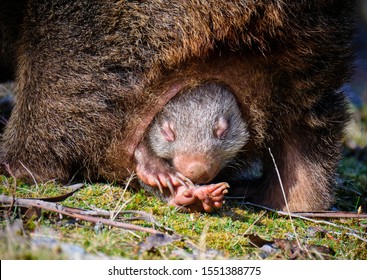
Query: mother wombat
x=91 y=76
x=193 y=137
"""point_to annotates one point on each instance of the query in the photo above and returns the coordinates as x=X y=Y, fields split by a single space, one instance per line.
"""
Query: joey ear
x=221 y=128
x=168 y=131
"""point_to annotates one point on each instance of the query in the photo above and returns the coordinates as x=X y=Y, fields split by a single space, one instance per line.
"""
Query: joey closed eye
x=221 y=128
x=168 y=131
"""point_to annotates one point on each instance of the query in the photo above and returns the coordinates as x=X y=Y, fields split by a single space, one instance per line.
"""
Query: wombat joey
x=192 y=138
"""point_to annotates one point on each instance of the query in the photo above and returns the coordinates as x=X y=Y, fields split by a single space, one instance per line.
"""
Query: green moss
x=223 y=231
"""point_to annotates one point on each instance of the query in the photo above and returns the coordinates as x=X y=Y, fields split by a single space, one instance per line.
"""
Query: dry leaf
x=290 y=247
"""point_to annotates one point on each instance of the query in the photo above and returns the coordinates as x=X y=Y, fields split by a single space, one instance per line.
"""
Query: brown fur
x=91 y=75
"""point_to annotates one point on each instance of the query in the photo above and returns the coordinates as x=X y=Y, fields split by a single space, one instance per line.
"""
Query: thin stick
x=350 y=232
x=62 y=210
x=316 y=214
x=14 y=189
x=251 y=226
x=332 y=214
x=30 y=173
x=285 y=199
x=113 y=217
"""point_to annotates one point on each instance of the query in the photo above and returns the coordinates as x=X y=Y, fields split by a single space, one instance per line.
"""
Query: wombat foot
x=204 y=198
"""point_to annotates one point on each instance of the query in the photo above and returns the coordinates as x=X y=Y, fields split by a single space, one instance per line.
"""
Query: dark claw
x=159 y=185
x=184 y=180
x=170 y=187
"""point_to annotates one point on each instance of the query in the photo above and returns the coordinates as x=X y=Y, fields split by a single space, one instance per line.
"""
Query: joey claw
x=184 y=180
x=182 y=183
x=159 y=185
x=169 y=184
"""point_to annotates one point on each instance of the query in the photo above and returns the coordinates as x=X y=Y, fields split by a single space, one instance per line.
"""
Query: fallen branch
x=333 y=215
x=300 y=215
x=318 y=214
x=72 y=212
x=138 y=215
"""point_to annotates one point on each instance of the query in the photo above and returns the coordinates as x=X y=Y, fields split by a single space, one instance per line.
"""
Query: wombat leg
x=203 y=198
x=155 y=172
x=306 y=177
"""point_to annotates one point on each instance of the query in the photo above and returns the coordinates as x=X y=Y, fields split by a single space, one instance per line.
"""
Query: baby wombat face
x=199 y=132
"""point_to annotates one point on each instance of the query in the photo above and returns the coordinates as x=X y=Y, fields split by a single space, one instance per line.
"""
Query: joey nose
x=197 y=172
x=198 y=169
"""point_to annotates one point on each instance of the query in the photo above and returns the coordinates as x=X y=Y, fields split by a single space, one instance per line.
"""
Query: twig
x=138 y=215
x=202 y=241
x=23 y=202
x=251 y=226
x=14 y=189
x=285 y=199
x=350 y=232
x=332 y=214
x=113 y=217
x=318 y=214
x=30 y=173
